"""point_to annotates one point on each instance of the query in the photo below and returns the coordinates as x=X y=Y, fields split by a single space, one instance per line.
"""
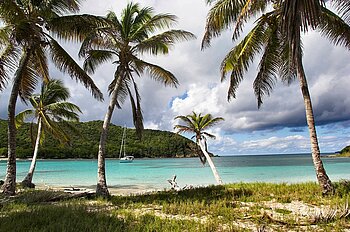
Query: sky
x=278 y=127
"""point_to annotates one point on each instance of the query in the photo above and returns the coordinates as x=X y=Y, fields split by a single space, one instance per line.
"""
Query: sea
x=154 y=173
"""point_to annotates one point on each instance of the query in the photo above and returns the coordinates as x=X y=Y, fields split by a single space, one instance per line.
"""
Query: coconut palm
x=139 y=31
x=26 y=43
x=277 y=36
x=197 y=124
x=51 y=111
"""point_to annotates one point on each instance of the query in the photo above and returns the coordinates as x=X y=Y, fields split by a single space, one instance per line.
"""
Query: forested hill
x=84 y=144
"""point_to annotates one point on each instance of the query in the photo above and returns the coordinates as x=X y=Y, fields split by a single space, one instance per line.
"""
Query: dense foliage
x=84 y=143
x=345 y=151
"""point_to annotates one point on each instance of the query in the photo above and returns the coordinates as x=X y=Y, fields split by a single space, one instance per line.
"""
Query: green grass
x=215 y=208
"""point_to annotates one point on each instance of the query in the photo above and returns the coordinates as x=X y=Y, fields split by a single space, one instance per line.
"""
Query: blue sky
x=278 y=127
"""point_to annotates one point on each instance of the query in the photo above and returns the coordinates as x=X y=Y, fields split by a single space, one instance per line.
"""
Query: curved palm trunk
x=322 y=177
x=27 y=182
x=210 y=162
x=9 y=186
x=101 y=188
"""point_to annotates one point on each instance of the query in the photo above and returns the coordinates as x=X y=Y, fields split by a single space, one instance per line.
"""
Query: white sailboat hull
x=126 y=159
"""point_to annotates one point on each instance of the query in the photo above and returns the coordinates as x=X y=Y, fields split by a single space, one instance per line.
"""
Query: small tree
x=50 y=110
x=196 y=123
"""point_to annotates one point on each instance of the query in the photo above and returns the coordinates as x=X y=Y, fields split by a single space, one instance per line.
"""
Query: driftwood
x=176 y=187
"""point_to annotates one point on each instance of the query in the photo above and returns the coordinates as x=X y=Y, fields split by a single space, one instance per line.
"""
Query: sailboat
x=122 y=157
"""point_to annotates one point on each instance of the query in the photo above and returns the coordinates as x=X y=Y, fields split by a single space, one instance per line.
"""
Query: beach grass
x=232 y=207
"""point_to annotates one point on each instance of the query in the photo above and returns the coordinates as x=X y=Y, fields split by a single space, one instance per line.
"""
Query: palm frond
x=157 y=73
x=22 y=116
x=210 y=121
x=186 y=120
x=269 y=65
x=75 y=27
x=52 y=92
x=63 y=6
x=100 y=39
x=128 y=17
x=250 y=9
x=66 y=63
x=8 y=62
x=220 y=17
x=95 y=58
x=5 y=35
x=343 y=8
x=64 y=111
x=151 y=24
x=334 y=28
x=121 y=90
x=54 y=129
x=162 y=42
x=136 y=111
x=28 y=75
x=288 y=71
x=300 y=15
x=40 y=63
x=139 y=19
x=209 y=135
x=242 y=55
x=183 y=129
x=11 y=12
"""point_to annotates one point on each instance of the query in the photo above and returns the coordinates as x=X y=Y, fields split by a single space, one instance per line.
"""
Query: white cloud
x=151 y=125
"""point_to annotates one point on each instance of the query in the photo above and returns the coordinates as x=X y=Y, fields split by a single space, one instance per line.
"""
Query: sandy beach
x=114 y=190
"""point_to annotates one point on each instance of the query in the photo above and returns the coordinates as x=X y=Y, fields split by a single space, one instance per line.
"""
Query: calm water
x=153 y=173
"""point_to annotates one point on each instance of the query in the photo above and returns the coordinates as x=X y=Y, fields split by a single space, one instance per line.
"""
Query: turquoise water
x=153 y=173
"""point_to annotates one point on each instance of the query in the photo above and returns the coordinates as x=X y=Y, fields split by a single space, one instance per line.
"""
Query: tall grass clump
x=60 y=218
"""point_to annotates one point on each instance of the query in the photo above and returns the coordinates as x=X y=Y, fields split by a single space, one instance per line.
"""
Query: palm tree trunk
x=9 y=186
x=210 y=162
x=322 y=177
x=101 y=188
x=27 y=182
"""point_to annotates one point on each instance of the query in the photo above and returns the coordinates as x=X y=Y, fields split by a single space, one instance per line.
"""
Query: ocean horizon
x=153 y=173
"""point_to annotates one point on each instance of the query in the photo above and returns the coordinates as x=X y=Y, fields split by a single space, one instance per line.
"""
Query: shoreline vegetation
x=84 y=143
x=230 y=207
x=345 y=152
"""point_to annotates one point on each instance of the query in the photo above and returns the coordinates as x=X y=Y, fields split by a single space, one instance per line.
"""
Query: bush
x=342 y=188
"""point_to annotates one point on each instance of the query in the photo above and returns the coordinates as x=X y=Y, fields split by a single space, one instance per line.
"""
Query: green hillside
x=84 y=143
x=345 y=151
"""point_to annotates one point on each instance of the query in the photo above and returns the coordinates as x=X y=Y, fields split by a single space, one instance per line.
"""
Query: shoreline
x=113 y=190
x=139 y=158
x=324 y=155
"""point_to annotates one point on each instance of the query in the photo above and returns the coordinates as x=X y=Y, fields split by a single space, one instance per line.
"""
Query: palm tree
x=26 y=44
x=122 y=42
x=51 y=112
x=197 y=124
x=277 y=35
